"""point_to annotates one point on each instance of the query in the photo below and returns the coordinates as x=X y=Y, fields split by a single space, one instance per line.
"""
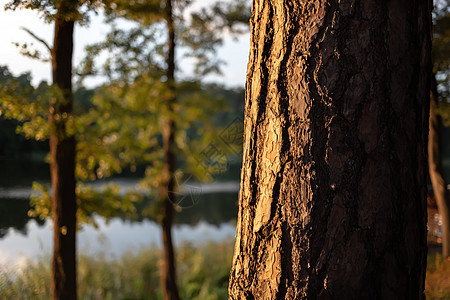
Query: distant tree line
x=15 y=145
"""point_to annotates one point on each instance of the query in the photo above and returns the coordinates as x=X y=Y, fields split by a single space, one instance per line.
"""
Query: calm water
x=209 y=215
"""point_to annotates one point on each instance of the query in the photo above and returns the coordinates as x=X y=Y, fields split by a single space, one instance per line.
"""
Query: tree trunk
x=168 y=275
x=436 y=170
x=333 y=190
x=62 y=161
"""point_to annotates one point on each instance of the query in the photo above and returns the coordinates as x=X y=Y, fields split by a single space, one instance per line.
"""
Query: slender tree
x=62 y=142
x=441 y=66
x=332 y=202
x=62 y=158
x=60 y=129
x=200 y=33
x=168 y=193
x=436 y=170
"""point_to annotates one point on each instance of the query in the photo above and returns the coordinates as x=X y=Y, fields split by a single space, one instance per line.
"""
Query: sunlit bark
x=333 y=190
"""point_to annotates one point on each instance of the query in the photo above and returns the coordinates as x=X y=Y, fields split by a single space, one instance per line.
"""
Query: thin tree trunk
x=333 y=191
x=62 y=162
x=437 y=174
x=168 y=277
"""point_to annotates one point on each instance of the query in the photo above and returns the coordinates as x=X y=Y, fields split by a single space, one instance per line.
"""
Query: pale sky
x=234 y=53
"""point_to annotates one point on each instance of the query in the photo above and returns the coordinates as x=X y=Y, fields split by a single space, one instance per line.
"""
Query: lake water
x=211 y=217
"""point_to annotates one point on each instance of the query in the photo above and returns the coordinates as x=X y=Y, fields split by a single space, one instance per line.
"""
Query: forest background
x=196 y=278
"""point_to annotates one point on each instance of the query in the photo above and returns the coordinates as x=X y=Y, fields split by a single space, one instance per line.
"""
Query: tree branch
x=37 y=38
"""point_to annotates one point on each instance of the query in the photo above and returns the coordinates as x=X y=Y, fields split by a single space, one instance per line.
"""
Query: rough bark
x=437 y=174
x=333 y=188
x=62 y=161
x=168 y=275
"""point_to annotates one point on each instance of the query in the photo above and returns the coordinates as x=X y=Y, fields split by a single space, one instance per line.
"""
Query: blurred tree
x=14 y=145
x=154 y=102
x=440 y=89
x=436 y=170
x=60 y=129
x=143 y=57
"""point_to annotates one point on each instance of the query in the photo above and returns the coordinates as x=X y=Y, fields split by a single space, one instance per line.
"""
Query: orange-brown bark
x=62 y=160
x=333 y=190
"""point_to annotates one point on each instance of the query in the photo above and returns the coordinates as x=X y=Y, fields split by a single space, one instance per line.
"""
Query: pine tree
x=333 y=185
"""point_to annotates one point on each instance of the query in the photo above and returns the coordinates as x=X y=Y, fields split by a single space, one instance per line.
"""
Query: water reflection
x=13 y=214
x=215 y=208
x=110 y=239
x=21 y=173
x=211 y=218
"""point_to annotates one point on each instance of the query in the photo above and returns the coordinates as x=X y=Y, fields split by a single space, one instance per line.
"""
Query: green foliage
x=130 y=53
x=82 y=100
x=123 y=125
x=106 y=200
x=123 y=129
x=203 y=31
x=144 y=12
x=31 y=107
x=233 y=15
x=40 y=201
x=203 y=273
x=119 y=127
x=138 y=92
x=140 y=46
x=20 y=101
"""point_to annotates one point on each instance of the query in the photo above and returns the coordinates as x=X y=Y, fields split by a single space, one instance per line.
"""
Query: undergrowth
x=202 y=270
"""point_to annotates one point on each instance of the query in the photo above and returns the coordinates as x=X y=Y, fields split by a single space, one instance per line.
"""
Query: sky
x=234 y=53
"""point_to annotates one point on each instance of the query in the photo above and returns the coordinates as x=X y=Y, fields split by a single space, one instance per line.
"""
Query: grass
x=437 y=284
x=203 y=272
